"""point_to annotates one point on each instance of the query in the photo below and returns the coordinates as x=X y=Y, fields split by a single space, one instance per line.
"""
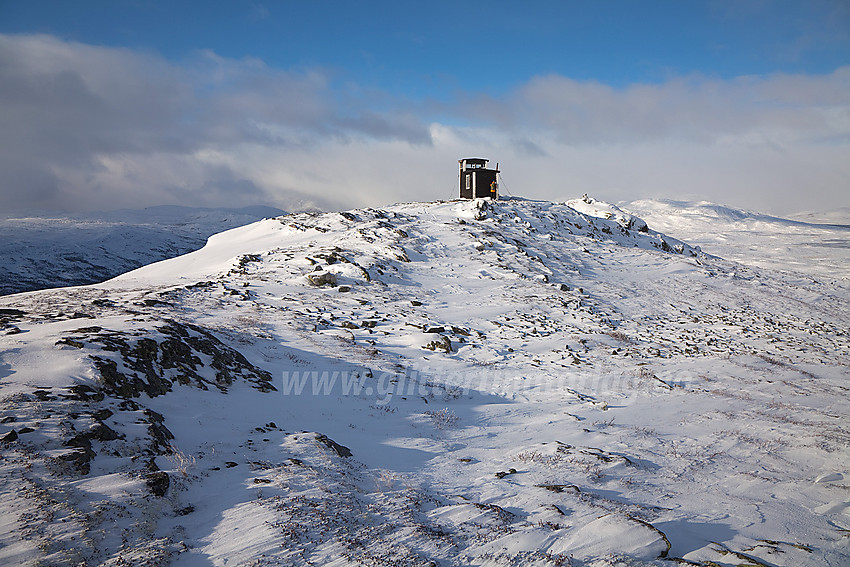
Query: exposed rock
x=79 y=459
x=102 y=432
x=83 y=393
x=80 y=440
x=158 y=431
x=340 y=450
x=9 y=437
x=82 y=456
x=43 y=395
x=559 y=487
x=320 y=279
x=11 y=313
x=151 y=364
x=117 y=382
x=443 y=343
x=158 y=483
x=81 y=315
x=482 y=209
x=101 y=414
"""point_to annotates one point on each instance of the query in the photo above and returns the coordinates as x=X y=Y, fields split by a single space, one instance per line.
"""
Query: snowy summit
x=479 y=382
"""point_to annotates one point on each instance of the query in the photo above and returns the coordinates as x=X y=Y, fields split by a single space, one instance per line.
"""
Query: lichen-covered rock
x=171 y=353
x=321 y=279
x=444 y=344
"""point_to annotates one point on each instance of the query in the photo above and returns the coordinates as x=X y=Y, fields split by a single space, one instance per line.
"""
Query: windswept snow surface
x=39 y=251
x=452 y=383
x=817 y=244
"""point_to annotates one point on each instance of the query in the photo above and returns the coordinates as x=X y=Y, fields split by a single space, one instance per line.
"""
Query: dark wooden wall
x=483 y=179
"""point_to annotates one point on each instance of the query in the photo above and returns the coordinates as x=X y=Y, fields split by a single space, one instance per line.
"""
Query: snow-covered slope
x=40 y=251
x=839 y=216
x=601 y=209
x=810 y=243
x=456 y=383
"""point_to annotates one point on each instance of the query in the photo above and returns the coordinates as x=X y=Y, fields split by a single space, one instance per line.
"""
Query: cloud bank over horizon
x=88 y=127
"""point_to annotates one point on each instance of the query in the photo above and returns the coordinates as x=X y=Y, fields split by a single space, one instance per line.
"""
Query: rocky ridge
x=508 y=383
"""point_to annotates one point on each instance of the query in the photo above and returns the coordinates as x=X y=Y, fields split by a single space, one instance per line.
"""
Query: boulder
x=158 y=483
x=321 y=279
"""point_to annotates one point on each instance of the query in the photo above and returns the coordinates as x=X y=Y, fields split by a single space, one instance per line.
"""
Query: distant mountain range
x=45 y=250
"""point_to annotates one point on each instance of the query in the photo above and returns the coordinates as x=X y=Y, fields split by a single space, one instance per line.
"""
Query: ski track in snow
x=472 y=383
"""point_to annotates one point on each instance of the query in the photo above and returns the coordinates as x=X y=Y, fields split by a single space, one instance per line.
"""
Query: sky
x=333 y=104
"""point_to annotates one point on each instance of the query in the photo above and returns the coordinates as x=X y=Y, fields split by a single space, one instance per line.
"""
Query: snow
x=518 y=383
x=40 y=250
x=590 y=206
x=815 y=244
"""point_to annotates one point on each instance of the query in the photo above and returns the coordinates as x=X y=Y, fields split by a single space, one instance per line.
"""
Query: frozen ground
x=454 y=383
x=39 y=250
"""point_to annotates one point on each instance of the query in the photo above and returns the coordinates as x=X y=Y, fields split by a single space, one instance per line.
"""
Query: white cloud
x=796 y=108
x=86 y=127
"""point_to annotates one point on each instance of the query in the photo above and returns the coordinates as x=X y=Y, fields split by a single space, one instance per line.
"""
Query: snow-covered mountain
x=39 y=251
x=453 y=383
x=817 y=244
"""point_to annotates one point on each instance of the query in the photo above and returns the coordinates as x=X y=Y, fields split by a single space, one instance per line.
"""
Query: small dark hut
x=476 y=180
